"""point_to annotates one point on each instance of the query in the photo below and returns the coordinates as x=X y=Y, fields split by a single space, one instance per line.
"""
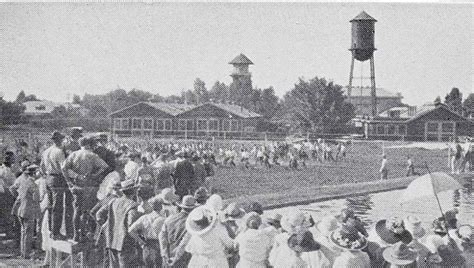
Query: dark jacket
x=184 y=178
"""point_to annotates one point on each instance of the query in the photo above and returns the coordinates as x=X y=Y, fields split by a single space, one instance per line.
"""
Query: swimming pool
x=372 y=207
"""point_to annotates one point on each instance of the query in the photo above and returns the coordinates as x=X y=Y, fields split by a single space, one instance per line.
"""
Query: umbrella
x=429 y=185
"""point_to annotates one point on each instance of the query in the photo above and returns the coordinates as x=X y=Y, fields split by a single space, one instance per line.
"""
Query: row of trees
x=313 y=104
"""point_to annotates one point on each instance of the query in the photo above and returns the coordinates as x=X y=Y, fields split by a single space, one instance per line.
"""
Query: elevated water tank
x=363 y=33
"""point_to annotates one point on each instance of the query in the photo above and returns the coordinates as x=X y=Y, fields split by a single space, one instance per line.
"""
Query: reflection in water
x=361 y=205
x=373 y=207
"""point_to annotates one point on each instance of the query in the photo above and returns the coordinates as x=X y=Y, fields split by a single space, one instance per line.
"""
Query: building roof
x=366 y=92
x=431 y=108
x=241 y=59
x=363 y=16
x=235 y=109
x=169 y=108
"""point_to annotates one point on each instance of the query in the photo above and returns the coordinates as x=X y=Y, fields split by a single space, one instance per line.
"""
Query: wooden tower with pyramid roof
x=241 y=86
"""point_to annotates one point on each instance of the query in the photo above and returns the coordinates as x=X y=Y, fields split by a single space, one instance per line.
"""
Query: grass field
x=361 y=165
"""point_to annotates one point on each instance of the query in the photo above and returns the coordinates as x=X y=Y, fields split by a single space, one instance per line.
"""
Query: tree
x=21 y=97
x=76 y=99
x=219 y=92
x=454 y=100
x=11 y=112
x=200 y=91
x=468 y=105
x=318 y=106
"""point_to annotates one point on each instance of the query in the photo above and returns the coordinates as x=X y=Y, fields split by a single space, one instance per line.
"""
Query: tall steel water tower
x=362 y=48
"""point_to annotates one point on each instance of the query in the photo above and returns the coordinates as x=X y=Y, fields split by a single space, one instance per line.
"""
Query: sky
x=55 y=50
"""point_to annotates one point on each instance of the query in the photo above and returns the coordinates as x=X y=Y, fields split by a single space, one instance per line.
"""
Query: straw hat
x=293 y=221
x=201 y=220
x=215 y=202
x=413 y=225
x=399 y=254
x=187 y=202
x=274 y=219
x=392 y=231
x=168 y=196
x=303 y=241
x=232 y=212
x=348 y=238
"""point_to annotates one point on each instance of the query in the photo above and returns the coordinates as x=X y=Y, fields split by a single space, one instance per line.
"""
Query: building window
x=390 y=129
x=160 y=125
x=167 y=124
x=147 y=123
x=447 y=127
x=380 y=129
x=402 y=130
x=125 y=124
x=213 y=124
x=432 y=127
x=234 y=125
x=249 y=129
x=117 y=123
x=226 y=124
x=201 y=124
x=189 y=124
x=136 y=123
x=182 y=125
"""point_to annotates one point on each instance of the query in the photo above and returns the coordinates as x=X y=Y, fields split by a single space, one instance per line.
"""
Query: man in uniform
x=50 y=166
x=183 y=176
x=83 y=170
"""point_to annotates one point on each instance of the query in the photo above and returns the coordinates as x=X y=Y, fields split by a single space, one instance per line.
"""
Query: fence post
x=449 y=152
x=383 y=147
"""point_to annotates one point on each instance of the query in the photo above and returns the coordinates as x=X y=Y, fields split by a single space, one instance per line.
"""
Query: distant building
x=44 y=108
x=162 y=119
x=362 y=100
x=431 y=122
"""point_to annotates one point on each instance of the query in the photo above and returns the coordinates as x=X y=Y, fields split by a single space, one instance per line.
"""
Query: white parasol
x=429 y=185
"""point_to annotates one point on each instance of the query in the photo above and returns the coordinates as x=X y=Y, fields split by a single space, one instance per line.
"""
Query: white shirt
x=149 y=225
x=52 y=160
x=254 y=245
x=131 y=170
x=352 y=259
x=6 y=177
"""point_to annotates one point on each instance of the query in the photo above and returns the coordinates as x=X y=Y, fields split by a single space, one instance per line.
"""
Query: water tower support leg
x=373 y=91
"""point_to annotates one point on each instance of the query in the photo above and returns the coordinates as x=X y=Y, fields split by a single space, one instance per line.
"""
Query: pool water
x=373 y=207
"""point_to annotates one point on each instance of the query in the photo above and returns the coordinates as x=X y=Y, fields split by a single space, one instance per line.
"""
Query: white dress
x=209 y=250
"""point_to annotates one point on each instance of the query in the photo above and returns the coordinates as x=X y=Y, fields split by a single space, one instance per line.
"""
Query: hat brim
x=235 y=217
x=195 y=229
x=337 y=245
x=185 y=206
x=390 y=237
x=389 y=257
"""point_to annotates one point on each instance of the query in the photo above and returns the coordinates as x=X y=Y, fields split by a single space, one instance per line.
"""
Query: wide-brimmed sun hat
x=392 y=231
x=413 y=225
x=274 y=219
x=201 y=220
x=348 y=238
x=233 y=212
x=215 y=202
x=293 y=221
x=399 y=254
x=303 y=241
x=327 y=225
x=188 y=202
x=465 y=232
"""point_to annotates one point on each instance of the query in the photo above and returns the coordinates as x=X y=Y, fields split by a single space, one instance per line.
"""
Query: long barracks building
x=148 y=119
